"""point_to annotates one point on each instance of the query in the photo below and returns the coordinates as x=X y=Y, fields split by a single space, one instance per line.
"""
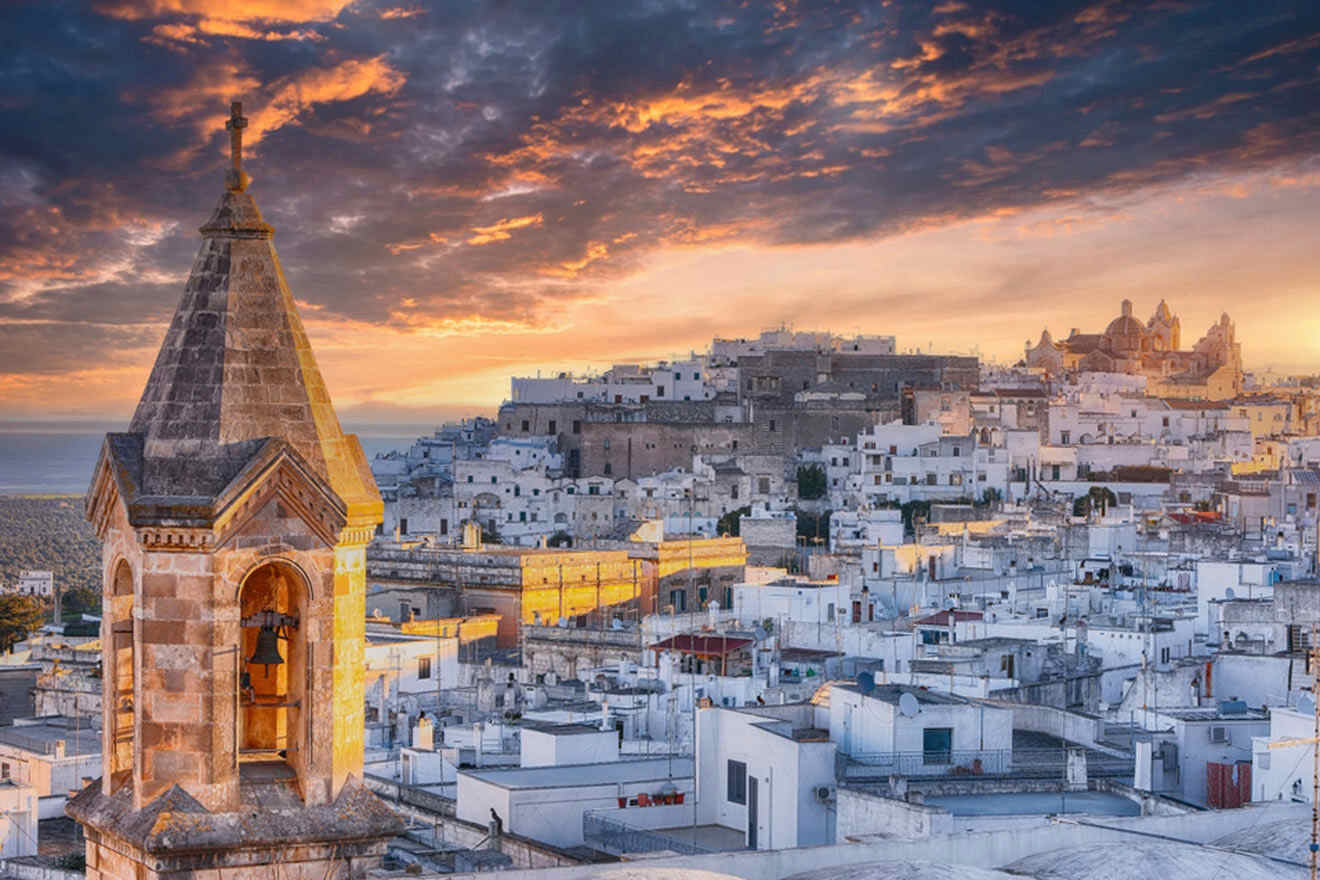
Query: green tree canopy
x=728 y=524
x=19 y=617
x=811 y=482
x=81 y=600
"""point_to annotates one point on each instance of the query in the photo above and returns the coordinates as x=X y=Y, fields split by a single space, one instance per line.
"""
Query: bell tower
x=234 y=516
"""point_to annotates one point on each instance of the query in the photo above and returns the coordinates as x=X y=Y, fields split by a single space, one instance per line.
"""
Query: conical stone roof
x=236 y=370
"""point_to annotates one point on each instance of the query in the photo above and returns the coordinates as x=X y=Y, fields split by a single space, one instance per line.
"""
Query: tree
x=81 y=600
x=811 y=482
x=1100 y=497
x=19 y=617
x=560 y=538
x=912 y=511
x=728 y=524
x=812 y=526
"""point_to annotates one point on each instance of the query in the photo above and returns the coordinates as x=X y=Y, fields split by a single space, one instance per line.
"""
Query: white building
x=682 y=380
x=1223 y=734
x=405 y=673
x=916 y=731
x=767 y=772
x=18 y=819
x=901 y=463
x=820 y=602
x=851 y=530
x=1284 y=773
x=557 y=745
x=36 y=583
x=56 y=756
x=547 y=803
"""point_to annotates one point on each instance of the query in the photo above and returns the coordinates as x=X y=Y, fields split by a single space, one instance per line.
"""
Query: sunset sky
x=466 y=191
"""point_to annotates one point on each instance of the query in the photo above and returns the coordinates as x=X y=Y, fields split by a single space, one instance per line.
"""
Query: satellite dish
x=1306 y=704
x=865 y=682
x=1229 y=594
x=908 y=706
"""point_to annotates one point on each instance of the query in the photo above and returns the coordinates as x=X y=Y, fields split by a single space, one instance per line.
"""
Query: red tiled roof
x=703 y=646
x=941 y=618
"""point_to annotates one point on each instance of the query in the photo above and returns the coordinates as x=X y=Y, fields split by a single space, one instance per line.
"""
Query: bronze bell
x=267 y=652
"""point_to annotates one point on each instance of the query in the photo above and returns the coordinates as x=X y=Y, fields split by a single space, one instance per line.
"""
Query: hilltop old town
x=800 y=604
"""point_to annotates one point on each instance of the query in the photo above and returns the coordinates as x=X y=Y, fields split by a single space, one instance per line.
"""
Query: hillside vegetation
x=49 y=533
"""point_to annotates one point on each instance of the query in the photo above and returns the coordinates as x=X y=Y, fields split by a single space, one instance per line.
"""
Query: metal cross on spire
x=236 y=179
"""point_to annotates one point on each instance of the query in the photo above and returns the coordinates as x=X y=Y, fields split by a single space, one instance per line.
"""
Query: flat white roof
x=575 y=775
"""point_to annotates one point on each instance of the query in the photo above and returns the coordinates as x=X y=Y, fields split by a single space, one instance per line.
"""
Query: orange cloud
x=502 y=230
x=570 y=268
x=204 y=101
x=294 y=95
x=401 y=12
x=227 y=10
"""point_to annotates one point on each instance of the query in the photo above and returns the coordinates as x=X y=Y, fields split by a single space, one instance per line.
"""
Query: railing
x=618 y=837
x=1024 y=763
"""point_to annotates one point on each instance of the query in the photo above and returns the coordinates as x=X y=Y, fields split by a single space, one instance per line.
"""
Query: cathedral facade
x=1210 y=370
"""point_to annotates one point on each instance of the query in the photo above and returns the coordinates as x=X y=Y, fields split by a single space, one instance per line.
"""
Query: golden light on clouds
x=502 y=230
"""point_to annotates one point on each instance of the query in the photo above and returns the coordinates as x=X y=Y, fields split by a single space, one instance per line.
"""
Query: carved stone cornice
x=163 y=539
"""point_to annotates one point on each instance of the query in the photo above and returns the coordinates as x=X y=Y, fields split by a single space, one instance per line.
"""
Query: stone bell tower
x=234 y=516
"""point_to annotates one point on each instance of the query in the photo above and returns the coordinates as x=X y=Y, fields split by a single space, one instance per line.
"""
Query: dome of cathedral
x=1125 y=333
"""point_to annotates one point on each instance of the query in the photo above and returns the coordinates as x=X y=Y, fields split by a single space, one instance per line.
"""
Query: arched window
x=275 y=672
x=120 y=672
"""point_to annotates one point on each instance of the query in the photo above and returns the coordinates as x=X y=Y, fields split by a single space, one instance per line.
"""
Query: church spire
x=236 y=369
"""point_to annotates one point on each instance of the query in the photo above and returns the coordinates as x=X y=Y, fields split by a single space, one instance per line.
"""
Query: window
x=577 y=426
x=931 y=479
x=609 y=468
x=469 y=478
x=696 y=376
x=957 y=451
x=737 y=772
x=403 y=525
x=659 y=391
x=423 y=667
x=763 y=485
x=526 y=426
x=1055 y=472
x=772 y=424
x=494 y=479
x=1065 y=437
x=937 y=745
x=553 y=428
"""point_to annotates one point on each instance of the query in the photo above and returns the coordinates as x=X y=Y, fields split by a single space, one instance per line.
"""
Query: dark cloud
x=387 y=136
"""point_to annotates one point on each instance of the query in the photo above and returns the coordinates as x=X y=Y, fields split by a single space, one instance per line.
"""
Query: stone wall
x=863 y=813
x=768 y=540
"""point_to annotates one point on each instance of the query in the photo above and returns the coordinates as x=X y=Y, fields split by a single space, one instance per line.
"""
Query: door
x=751 y=812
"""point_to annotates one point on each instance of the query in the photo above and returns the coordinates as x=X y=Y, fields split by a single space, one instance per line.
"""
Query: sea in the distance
x=49 y=458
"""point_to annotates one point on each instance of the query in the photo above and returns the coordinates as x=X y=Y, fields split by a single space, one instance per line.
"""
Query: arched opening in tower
x=274 y=668
x=119 y=656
